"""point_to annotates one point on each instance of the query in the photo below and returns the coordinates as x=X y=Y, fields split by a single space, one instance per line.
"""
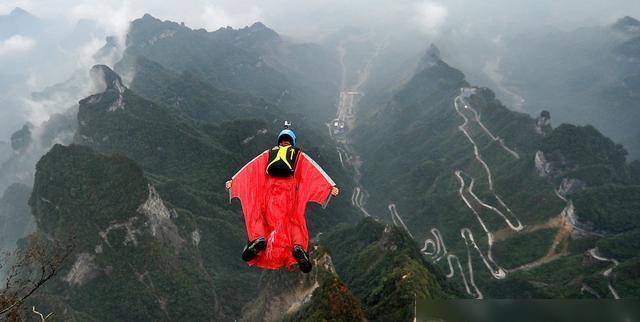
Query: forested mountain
x=474 y=181
x=146 y=172
x=253 y=59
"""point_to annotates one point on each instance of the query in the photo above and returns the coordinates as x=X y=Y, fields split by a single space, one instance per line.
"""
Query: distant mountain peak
x=262 y=29
x=626 y=24
x=430 y=58
x=107 y=81
x=17 y=11
x=258 y=25
x=543 y=123
x=148 y=16
x=21 y=139
x=433 y=51
x=105 y=75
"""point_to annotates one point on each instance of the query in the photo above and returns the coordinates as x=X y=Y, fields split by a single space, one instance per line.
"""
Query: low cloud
x=112 y=16
x=15 y=45
x=430 y=17
x=214 y=17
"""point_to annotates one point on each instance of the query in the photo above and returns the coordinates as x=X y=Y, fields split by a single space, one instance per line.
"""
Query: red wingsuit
x=274 y=207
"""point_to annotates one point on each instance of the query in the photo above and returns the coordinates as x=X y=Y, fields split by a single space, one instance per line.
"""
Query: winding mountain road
x=463 y=128
x=517 y=227
x=590 y=290
x=357 y=200
x=493 y=137
x=345 y=121
x=440 y=251
x=434 y=247
x=495 y=269
x=593 y=252
x=394 y=212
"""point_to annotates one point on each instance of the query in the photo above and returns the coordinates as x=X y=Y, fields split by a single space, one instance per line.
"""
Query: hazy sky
x=308 y=16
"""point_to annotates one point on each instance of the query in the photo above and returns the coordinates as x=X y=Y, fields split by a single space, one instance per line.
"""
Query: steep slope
x=382 y=266
x=224 y=64
x=290 y=296
x=379 y=264
x=188 y=162
x=120 y=120
x=176 y=136
x=443 y=160
x=254 y=59
x=115 y=215
x=190 y=96
x=177 y=147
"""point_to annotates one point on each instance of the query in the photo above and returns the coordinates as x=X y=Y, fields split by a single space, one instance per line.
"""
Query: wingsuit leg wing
x=314 y=185
x=249 y=187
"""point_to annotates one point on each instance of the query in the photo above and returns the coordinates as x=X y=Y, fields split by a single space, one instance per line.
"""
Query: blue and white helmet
x=290 y=134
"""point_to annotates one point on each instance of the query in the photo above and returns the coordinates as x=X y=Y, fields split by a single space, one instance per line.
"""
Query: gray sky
x=300 y=18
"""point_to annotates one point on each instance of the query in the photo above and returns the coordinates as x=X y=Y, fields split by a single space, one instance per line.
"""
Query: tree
x=28 y=269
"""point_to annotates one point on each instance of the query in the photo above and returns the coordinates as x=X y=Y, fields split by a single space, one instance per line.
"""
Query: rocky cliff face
x=108 y=86
x=290 y=296
x=543 y=123
x=115 y=215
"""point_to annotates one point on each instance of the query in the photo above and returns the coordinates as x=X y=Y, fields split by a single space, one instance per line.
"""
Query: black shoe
x=253 y=248
x=303 y=258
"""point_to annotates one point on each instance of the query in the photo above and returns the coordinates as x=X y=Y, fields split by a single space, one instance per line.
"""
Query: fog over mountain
x=42 y=44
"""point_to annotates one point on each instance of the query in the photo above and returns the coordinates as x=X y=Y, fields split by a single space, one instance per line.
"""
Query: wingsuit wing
x=314 y=185
x=249 y=186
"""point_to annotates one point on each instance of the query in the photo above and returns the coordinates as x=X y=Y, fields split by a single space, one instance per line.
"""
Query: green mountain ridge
x=128 y=242
x=185 y=154
x=253 y=59
x=503 y=192
x=384 y=269
x=187 y=161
